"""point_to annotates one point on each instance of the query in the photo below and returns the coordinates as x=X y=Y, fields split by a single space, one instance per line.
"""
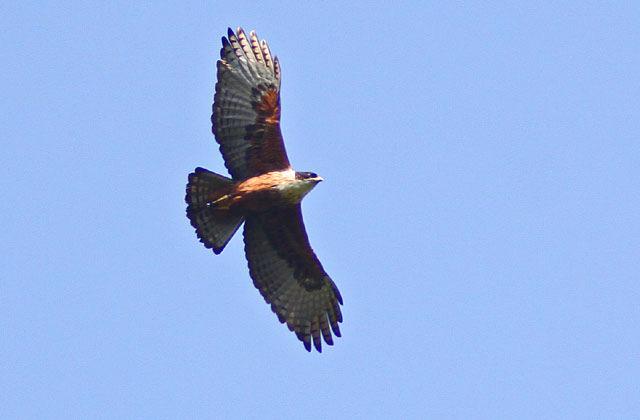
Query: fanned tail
x=214 y=226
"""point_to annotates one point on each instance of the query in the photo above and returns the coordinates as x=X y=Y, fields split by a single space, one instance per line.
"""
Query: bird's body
x=264 y=192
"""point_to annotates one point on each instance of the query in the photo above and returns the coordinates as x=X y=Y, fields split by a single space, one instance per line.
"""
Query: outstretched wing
x=246 y=107
x=289 y=276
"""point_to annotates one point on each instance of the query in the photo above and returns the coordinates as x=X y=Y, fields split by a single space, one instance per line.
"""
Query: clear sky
x=480 y=212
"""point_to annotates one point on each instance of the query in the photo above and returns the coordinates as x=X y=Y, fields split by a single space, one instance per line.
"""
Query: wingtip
x=336 y=292
x=225 y=44
x=336 y=330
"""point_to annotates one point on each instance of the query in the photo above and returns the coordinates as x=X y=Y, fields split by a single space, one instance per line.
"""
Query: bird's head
x=296 y=190
x=310 y=177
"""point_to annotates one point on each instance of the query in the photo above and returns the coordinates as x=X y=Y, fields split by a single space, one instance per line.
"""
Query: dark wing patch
x=246 y=108
x=290 y=277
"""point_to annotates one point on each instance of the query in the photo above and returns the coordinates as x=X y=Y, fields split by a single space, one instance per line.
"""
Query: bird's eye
x=313 y=175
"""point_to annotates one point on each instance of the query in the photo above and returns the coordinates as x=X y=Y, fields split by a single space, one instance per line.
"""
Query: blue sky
x=480 y=212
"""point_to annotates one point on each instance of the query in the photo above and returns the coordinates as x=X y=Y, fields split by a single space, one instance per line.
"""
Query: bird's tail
x=214 y=226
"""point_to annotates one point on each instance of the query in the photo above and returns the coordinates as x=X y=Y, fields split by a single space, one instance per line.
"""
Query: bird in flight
x=264 y=192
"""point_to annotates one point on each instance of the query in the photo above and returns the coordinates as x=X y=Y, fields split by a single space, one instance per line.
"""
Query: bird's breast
x=294 y=191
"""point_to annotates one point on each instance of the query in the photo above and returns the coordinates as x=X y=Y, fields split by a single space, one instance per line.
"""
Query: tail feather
x=214 y=227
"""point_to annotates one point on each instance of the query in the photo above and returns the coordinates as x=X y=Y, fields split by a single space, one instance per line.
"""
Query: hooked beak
x=318 y=179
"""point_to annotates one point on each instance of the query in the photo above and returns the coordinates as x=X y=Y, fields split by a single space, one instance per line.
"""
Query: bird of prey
x=264 y=192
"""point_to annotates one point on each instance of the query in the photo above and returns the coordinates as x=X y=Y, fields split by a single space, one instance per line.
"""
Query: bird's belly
x=278 y=196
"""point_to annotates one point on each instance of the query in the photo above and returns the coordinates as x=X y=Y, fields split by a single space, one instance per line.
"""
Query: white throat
x=295 y=191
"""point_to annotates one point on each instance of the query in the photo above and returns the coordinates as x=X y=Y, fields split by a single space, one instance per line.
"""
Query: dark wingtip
x=336 y=330
x=336 y=292
x=328 y=339
x=230 y=32
x=307 y=345
x=225 y=43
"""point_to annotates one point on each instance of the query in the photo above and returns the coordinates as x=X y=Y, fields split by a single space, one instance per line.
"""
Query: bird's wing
x=246 y=108
x=289 y=276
